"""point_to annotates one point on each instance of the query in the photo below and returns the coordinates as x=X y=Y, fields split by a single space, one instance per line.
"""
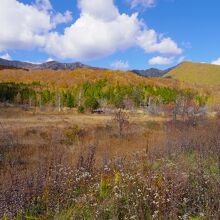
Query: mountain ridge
x=152 y=72
x=54 y=65
x=190 y=72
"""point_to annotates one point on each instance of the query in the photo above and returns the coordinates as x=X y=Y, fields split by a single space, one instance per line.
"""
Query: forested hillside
x=92 y=89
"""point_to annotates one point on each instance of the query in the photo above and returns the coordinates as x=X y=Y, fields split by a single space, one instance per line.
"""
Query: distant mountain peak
x=152 y=72
x=53 y=65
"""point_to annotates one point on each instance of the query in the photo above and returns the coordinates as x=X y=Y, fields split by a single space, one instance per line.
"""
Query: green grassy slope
x=198 y=73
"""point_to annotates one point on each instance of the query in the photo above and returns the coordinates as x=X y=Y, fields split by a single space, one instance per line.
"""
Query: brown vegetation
x=69 y=166
x=67 y=78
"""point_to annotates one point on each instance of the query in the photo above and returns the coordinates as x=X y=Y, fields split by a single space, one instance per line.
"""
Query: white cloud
x=150 y=42
x=100 y=9
x=144 y=3
x=99 y=31
x=25 y=26
x=32 y=62
x=59 y=18
x=6 y=56
x=49 y=59
x=181 y=59
x=119 y=64
x=44 y=5
x=216 y=62
x=90 y=37
x=161 y=60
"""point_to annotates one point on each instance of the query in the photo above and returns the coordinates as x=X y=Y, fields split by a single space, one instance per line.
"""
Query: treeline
x=99 y=94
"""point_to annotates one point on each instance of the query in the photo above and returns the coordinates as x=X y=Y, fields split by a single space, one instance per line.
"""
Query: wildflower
x=155 y=214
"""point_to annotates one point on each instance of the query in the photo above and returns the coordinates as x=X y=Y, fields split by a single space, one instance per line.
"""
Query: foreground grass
x=155 y=170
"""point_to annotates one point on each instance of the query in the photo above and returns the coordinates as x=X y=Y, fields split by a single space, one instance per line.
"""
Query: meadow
x=67 y=165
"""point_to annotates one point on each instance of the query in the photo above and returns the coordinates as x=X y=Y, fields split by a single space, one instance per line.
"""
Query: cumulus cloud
x=25 y=26
x=91 y=37
x=100 y=30
x=119 y=64
x=104 y=10
x=216 y=62
x=144 y=3
x=150 y=42
x=6 y=56
x=159 y=60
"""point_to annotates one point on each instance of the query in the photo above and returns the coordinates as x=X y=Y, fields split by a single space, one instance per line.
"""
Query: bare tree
x=122 y=119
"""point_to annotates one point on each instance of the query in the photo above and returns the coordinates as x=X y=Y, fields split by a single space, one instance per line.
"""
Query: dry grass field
x=81 y=166
x=37 y=128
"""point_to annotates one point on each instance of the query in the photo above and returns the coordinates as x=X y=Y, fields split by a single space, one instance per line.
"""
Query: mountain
x=2 y=67
x=152 y=72
x=198 y=73
x=52 y=65
x=70 y=78
x=15 y=64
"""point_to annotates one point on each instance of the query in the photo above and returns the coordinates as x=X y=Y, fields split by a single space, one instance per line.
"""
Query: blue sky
x=163 y=33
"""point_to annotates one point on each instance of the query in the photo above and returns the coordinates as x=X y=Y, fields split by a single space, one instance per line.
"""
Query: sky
x=117 y=34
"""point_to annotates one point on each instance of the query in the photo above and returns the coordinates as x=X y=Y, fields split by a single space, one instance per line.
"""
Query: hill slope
x=198 y=73
x=68 y=78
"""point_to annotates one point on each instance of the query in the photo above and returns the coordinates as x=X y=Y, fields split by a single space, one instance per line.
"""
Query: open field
x=79 y=166
x=35 y=129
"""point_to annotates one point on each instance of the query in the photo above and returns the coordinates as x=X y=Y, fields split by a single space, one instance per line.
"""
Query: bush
x=80 y=109
x=70 y=100
x=91 y=103
x=74 y=132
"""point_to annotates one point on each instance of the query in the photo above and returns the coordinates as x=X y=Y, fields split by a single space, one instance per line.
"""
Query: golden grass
x=36 y=129
x=196 y=73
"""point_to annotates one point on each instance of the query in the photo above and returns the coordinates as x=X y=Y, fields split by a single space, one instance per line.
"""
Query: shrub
x=74 y=132
x=122 y=120
x=70 y=100
x=91 y=103
x=80 y=109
